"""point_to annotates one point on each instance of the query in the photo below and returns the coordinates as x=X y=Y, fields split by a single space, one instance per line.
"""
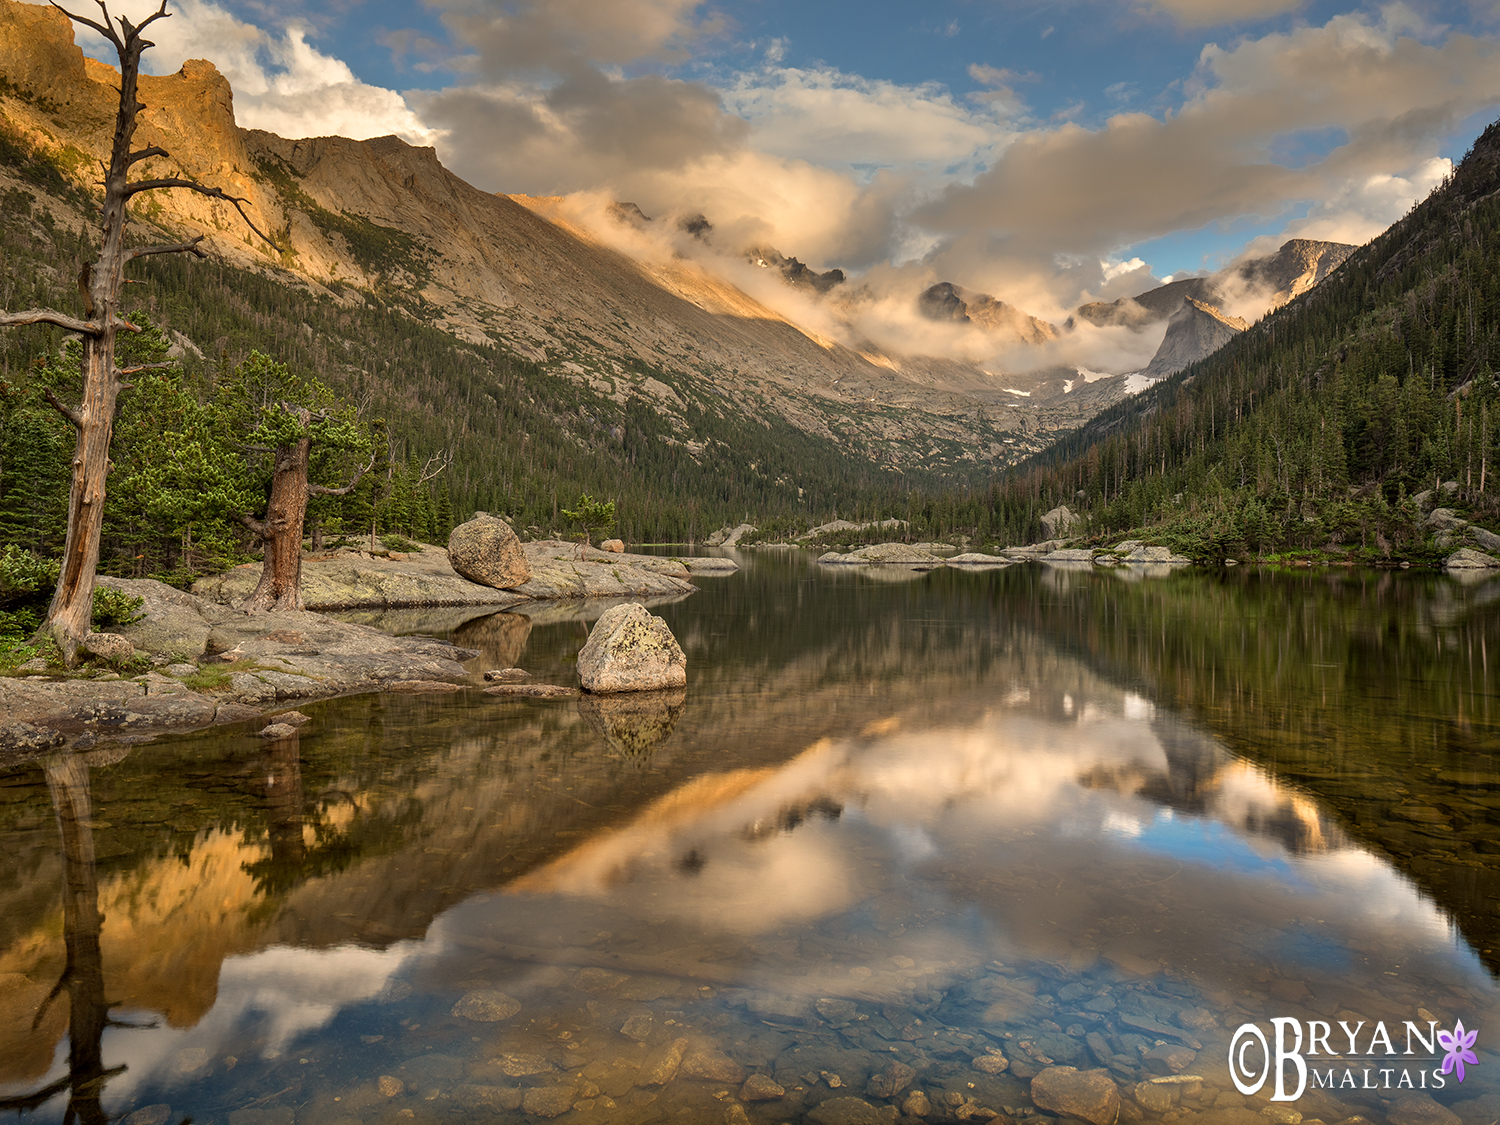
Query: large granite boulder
x=1059 y=522
x=1445 y=519
x=487 y=551
x=1487 y=540
x=629 y=650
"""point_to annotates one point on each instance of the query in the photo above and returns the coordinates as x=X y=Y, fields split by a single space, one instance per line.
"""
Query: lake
x=907 y=842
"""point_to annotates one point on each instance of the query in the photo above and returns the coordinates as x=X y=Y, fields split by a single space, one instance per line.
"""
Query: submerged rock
x=661 y=1065
x=630 y=650
x=851 y=1111
x=761 y=1088
x=1090 y=1095
x=486 y=1005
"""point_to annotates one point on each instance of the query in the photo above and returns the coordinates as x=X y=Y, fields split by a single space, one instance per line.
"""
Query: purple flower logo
x=1457 y=1043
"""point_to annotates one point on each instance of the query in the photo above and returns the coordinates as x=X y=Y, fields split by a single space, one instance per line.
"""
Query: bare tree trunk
x=69 y=615
x=83 y=977
x=281 y=531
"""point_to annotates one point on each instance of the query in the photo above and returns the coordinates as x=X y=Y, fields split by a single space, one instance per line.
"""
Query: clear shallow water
x=1056 y=816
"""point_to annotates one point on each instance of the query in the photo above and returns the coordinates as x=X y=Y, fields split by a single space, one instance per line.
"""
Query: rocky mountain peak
x=948 y=302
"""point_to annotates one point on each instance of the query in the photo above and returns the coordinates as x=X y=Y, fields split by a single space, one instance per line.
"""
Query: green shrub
x=114 y=608
x=394 y=542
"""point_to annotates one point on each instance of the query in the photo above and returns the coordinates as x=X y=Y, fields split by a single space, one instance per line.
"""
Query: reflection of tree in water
x=83 y=973
x=290 y=862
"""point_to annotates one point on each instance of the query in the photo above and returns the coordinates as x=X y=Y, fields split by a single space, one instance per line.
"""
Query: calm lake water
x=906 y=841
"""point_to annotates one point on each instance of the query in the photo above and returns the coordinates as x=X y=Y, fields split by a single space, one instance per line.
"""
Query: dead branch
x=212 y=193
x=324 y=490
x=439 y=463
x=145 y=154
x=49 y=316
x=62 y=408
x=138 y=368
x=189 y=247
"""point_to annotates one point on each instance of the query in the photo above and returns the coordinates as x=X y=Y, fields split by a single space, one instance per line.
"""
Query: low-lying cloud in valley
x=1324 y=130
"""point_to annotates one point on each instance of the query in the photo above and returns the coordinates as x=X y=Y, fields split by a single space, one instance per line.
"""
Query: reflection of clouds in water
x=1052 y=828
x=293 y=990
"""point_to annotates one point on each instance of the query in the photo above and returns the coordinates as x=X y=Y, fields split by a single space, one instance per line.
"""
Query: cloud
x=281 y=82
x=1065 y=195
x=837 y=119
x=532 y=36
x=1211 y=13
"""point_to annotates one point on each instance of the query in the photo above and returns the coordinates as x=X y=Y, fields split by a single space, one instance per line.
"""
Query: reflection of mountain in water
x=410 y=806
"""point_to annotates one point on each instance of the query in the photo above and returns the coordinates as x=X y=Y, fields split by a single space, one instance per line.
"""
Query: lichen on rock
x=630 y=650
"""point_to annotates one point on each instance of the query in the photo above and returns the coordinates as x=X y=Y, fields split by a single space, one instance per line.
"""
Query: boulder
x=1090 y=1095
x=730 y=536
x=348 y=579
x=562 y=571
x=1444 y=519
x=1466 y=558
x=1079 y=554
x=898 y=553
x=1059 y=522
x=630 y=650
x=487 y=551
x=1155 y=555
x=975 y=558
x=1487 y=540
x=613 y=546
x=107 y=646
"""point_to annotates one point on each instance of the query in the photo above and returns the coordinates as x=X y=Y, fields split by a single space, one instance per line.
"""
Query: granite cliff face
x=1195 y=330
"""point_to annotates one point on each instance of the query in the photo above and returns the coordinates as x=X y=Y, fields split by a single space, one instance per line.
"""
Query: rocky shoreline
x=211 y=663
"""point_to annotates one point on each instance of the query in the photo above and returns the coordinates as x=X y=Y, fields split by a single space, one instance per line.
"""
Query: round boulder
x=485 y=550
x=629 y=650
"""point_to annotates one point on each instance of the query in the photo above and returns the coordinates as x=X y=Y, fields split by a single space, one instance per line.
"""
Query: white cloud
x=828 y=117
x=281 y=82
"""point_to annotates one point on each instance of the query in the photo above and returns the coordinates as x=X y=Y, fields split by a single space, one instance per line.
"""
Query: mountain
x=552 y=355
x=1269 y=282
x=948 y=302
x=1332 y=426
x=1195 y=330
x=383 y=223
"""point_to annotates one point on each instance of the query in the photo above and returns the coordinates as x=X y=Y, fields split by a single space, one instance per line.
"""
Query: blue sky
x=1044 y=152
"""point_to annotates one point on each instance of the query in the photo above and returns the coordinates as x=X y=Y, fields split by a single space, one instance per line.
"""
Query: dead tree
x=100 y=284
x=280 y=531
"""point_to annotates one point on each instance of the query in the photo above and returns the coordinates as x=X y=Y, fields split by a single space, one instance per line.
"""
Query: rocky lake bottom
x=1021 y=844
